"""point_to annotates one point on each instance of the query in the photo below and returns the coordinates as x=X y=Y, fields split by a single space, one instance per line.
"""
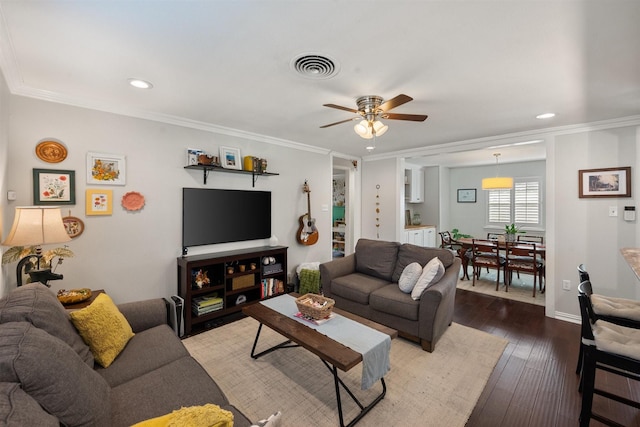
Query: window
x=521 y=205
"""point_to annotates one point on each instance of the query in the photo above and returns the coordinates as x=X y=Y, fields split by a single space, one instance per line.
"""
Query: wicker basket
x=315 y=306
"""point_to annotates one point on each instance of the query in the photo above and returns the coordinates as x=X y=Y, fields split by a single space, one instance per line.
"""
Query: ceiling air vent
x=314 y=66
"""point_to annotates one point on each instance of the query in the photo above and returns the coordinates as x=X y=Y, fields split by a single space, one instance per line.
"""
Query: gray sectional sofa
x=366 y=283
x=48 y=377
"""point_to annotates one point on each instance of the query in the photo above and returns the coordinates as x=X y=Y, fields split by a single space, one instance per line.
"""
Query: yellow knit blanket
x=208 y=415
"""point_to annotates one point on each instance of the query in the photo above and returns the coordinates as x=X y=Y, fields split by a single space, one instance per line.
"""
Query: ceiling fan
x=370 y=109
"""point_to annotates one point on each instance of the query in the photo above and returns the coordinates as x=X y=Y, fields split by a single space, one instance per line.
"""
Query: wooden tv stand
x=236 y=288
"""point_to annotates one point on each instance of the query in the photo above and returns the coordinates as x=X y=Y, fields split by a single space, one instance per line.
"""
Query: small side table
x=85 y=303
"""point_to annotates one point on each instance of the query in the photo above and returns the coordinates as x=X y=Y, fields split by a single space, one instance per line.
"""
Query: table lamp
x=36 y=226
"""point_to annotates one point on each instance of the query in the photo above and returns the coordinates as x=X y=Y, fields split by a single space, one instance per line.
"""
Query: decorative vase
x=510 y=237
x=273 y=240
x=416 y=220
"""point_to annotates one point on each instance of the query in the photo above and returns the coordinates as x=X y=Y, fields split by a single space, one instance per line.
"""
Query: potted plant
x=455 y=234
x=510 y=232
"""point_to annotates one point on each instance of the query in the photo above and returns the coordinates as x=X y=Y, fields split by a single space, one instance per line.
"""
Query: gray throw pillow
x=18 y=409
x=53 y=375
x=36 y=304
x=376 y=258
x=410 y=277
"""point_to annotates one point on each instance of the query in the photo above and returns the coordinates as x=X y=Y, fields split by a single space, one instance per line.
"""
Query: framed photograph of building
x=605 y=182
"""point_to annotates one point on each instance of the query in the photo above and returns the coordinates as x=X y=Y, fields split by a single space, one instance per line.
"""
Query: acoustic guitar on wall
x=307 y=232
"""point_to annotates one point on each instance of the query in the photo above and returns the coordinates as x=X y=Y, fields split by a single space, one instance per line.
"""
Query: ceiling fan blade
x=340 y=122
x=395 y=102
x=412 y=117
x=339 y=107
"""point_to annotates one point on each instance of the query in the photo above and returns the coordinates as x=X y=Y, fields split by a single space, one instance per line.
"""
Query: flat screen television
x=211 y=216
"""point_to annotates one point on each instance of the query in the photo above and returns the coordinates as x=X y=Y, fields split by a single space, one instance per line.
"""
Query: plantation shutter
x=500 y=206
x=527 y=202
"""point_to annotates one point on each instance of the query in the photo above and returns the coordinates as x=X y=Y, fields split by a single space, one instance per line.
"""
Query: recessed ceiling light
x=545 y=115
x=140 y=84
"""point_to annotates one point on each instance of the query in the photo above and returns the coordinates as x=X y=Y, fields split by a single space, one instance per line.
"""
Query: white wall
x=133 y=255
x=584 y=232
x=387 y=175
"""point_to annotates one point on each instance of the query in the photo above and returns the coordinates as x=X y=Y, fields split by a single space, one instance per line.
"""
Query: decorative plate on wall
x=51 y=151
x=73 y=225
x=133 y=201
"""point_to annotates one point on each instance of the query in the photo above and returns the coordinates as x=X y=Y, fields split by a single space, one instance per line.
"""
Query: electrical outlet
x=566 y=285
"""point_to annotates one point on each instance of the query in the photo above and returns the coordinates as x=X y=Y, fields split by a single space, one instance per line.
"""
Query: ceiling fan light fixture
x=380 y=128
x=363 y=129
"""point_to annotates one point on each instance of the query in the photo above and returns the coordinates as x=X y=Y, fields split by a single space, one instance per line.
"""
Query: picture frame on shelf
x=54 y=187
x=605 y=182
x=230 y=158
x=467 y=195
x=99 y=202
x=106 y=169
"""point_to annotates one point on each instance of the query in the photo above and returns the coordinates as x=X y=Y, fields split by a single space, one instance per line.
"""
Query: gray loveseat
x=48 y=377
x=366 y=283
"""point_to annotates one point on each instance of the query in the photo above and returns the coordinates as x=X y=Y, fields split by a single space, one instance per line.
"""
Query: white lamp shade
x=362 y=128
x=497 y=183
x=380 y=128
x=37 y=225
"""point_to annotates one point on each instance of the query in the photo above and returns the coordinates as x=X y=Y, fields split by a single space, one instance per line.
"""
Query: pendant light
x=497 y=182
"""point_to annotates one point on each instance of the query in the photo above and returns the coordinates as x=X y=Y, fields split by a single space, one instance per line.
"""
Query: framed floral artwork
x=54 y=187
x=106 y=169
x=99 y=202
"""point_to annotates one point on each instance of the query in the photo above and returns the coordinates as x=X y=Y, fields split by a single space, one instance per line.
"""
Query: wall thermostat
x=629 y=213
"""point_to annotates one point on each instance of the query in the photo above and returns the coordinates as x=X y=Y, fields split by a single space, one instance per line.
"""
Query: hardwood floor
x=534 y=383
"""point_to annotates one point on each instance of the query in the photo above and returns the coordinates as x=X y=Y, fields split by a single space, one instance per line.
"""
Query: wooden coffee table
x=333 y=354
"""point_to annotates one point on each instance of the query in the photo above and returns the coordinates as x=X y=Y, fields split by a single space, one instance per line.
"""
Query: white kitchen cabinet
x=420 y=236
x=414 y=185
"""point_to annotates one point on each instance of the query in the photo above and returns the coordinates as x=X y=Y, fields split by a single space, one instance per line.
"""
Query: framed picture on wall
x=99 y=202
x=54 y=187
x=106 y=169
x=605 y=182
x=466 y=195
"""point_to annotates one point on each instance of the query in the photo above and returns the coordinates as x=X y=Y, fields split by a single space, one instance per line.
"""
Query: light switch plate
x=613 y=211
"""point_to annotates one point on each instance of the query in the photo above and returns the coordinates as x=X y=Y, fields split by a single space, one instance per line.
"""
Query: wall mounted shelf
x=208 y=168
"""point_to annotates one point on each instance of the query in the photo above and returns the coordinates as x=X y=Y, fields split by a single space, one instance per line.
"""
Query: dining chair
x=448 y=242
x=485 y=253
x=522 y=258
x=530 y=239
x=607 y=347
x=495 y=236
x=620 y=311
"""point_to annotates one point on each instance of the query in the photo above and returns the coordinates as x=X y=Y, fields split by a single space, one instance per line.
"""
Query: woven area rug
x=521 y=289
x=426 y=389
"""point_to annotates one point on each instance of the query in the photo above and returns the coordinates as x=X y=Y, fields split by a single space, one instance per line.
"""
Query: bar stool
x=609 y=347
x=620 y=311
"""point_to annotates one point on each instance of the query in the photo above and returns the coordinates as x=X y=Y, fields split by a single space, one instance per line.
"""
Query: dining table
x=466 y=243
x=632 y=256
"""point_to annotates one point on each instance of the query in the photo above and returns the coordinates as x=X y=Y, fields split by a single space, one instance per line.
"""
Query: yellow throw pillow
x=104 y=329
x=208 y=415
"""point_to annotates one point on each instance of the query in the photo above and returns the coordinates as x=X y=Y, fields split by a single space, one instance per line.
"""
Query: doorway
x=343 y=207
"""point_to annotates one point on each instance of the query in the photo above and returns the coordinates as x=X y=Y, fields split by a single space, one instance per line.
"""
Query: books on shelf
x=206 y=304
x=315 y=321
x=271 y=287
